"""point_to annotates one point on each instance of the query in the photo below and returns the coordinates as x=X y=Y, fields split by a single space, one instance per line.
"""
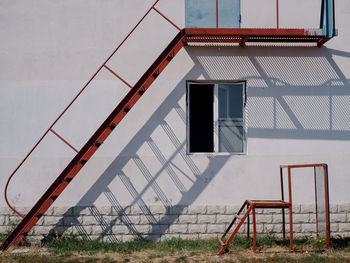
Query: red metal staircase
x=94 y=142
x=184 y=37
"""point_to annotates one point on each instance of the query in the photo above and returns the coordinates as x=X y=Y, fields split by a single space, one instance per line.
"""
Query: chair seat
x=269 y=203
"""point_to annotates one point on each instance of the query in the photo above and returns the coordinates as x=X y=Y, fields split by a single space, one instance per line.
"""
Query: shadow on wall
x=293 y=93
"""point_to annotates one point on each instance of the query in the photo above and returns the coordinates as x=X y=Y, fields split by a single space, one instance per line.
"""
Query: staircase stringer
x=94 y=142
x=235 y=231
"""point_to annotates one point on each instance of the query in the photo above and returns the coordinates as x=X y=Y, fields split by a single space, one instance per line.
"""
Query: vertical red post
x=217 y=11
x=254 y=230
x=282 y=198
x=277 y=15
x=325 y=171
x=290 y=209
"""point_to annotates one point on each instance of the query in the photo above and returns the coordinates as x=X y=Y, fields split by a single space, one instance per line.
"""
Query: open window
x=215 y=117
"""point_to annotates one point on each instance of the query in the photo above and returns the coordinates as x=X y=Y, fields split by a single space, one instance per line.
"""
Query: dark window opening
x=201 y=118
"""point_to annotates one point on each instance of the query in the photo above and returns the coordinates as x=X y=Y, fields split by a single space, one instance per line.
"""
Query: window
x=202 y=13
x=215 y=117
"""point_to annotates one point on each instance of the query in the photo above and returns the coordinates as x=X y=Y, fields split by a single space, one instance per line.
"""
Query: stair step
x=94 y=142
x=98 y=144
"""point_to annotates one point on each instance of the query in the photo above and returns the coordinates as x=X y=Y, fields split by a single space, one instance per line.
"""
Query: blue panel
x=229 y=13
x=200 y=13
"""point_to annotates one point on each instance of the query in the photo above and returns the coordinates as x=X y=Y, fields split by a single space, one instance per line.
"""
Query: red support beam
x=166 y=18
x=217 y=13
x=62 y=139
x=119 y=77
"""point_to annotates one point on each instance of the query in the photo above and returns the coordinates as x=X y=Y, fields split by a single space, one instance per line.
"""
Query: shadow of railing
x=212 y=63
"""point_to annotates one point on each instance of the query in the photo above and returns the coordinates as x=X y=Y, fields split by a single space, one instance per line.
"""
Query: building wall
x=297 y=112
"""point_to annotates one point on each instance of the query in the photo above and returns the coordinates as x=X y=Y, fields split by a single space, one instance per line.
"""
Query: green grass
x=70 y=244
x=74 y=244
x=73 y=249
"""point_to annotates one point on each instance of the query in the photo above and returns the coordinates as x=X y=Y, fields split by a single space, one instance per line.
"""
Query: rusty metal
x=277 y=15
x=217 y=13
x=325 y=171
x=62 y=139
x=326 y=193
x=254 y=230
x=188 y=35
x=290 y=209
x=166 y=18
x=94 y=142
x=119 y=77
x=251 y=205
x=276 y=204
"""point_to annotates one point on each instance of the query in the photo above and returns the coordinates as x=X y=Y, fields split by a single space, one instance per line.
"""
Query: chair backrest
x=320 y=174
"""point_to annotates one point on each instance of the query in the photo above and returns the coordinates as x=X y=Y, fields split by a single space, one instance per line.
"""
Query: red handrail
x=75 y=98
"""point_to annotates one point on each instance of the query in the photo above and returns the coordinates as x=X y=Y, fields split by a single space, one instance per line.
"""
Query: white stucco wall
x=297 y=110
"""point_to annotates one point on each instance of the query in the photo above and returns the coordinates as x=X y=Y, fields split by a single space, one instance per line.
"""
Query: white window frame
x=216 y=116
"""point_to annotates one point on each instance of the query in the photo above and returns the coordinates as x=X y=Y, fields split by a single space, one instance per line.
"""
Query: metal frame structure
x=326 y=194
x=184 y=37
x=251 y=205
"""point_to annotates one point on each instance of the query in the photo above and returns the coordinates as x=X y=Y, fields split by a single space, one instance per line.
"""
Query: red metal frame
x=251 y=205
x=255 y=35
x=62 y=139
x=325 y=178
x=185 y=36
x=277 y=15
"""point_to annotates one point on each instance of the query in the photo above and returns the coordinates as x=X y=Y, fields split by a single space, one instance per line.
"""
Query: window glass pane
x=231 y=101
x=230 y=137
x=231 y=132
x=200 y=13
x=320 y=202
x=229 y=13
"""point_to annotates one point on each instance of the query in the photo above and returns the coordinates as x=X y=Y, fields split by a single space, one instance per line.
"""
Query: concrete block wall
x=111 y=224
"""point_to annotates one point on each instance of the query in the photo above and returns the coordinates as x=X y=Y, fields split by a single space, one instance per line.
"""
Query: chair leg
x=291 y=228
x=283 y=225
x=254 y=230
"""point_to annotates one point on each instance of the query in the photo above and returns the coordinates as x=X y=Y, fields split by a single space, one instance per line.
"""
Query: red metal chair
x=321 y=187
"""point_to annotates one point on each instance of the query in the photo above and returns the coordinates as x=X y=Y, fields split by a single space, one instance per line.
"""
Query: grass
x=72 y=243
x=73 y=249
x=75 y=244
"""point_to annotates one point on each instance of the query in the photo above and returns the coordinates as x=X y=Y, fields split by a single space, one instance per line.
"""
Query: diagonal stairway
x=213 y=36
x=94 y=142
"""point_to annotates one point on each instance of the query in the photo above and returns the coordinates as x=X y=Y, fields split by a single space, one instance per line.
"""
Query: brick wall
x=113 y=224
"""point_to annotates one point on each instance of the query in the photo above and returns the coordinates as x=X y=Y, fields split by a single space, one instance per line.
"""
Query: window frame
x=216 y=116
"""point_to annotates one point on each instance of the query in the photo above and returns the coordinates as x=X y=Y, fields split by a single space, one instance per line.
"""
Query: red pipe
x=171 y=22
x=217 y=11
x=277 y=14
x=119 y=77
x=63 y=140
